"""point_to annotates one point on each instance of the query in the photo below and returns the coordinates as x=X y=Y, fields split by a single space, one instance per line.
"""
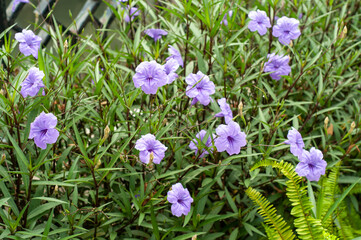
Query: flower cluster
x=285 y=30
x=311 y=164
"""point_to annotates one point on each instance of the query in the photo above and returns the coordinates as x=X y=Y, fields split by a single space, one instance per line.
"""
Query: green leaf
x=339 y=200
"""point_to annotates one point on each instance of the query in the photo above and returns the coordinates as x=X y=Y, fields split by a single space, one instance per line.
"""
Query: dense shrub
x=99 y=131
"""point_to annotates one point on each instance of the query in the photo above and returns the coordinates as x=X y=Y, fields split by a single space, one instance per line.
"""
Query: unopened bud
x=240 y=109
x=151 y=157
x=194 y=237
x=3 y=157
x=353 y=125
x=106 y=133
x=98 y=164
x=66 y=46
x=343 y=33
x=326 y=122
x=56 y=189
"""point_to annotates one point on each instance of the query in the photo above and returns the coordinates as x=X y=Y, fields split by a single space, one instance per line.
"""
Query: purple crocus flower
x=278 y=65
x=259 y=22
x=296 y=142
x=226 y=110
x=311 y=165
x=29 y=43
x=148 y=145
x=32 y=83
x=16 y=2
x=180 y=199
x=132 y=12
x=199 y=88
x=224 y=20
x=174 y=53
x=194 y=145
x=169 y=68
x=150 y=76
x=43 y=131
x=155 y=33
x=230 y=138
x=286 y=30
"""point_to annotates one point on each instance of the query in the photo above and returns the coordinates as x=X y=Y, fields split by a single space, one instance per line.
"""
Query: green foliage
x=279 y=228
x=307 y=227
x=90 y=184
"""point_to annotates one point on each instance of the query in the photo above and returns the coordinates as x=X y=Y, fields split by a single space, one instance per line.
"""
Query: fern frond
x=345 y=231
x=327 y=197
x=279 y=227
x=271 y=233
x=307 y=226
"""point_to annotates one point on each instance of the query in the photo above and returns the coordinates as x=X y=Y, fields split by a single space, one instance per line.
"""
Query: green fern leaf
x=307 y=227
x=279 y=228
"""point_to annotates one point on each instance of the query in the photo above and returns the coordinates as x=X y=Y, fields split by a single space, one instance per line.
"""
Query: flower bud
x=66 y=46
x=98 y=164
x=326 y=122
x=353 y=125
x=240 y=109
x=106 y=133
x=151 y=157
x=194 y=237
x=3 y=157
x=343 y=33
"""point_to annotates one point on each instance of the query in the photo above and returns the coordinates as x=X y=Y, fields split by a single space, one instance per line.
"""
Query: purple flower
x=169 y=68
x=16 y=2
x=278 y=65
x=199 y=88
x=226 y=110
x=174 y=53
x=32 y=83
x=224 y=20
x=148 y=145
x=132 y=12
x=150 y=76
x=194 y=145
x=155 y=33
x=43 y=130
x=230 y=138
x=300 y=16
x=259 y=22
x=311 y=165
x=286 y=29
x=29 y=43
x=180 y=199
x=296 y=142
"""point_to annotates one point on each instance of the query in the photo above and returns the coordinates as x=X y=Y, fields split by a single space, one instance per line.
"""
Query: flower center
x=259 y=22
x=311 y=166
x=230 y=139
x=286 y=31
x=180 y=201
x=43 y=132
x=149 y=79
